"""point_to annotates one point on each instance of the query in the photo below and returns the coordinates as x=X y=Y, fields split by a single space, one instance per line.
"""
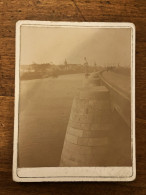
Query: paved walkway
x=119 y=81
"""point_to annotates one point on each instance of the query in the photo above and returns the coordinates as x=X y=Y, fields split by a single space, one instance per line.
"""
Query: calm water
x=45 y=106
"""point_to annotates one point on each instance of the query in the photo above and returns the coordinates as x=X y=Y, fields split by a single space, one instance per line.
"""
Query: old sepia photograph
x=74 y=101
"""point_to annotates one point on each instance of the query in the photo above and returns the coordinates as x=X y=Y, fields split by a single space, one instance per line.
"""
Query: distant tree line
x=35 y=71
x=119 y=69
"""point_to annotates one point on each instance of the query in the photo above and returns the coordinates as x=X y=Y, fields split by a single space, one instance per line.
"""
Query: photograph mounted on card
x=74 y=102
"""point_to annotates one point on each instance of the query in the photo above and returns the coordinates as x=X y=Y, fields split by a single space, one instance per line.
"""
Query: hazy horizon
x=103 y=46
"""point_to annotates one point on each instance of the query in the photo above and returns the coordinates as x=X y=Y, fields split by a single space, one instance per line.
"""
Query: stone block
x=83 y=141
x=97 y=119
x=96 y=126
x=107 y=126
x=86 y=118
x=98 y=141
x=99 y=151
x=65 y=162
x=95 y=134
x=94 y=81
x=106 y=119
x=85 y=150
x=102 y=105
x=85 y=126
x=75 y=124
x=75 y=132
x=71 y=138
x=85 y=95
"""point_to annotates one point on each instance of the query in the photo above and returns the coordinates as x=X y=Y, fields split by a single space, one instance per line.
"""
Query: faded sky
x=101 y=45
